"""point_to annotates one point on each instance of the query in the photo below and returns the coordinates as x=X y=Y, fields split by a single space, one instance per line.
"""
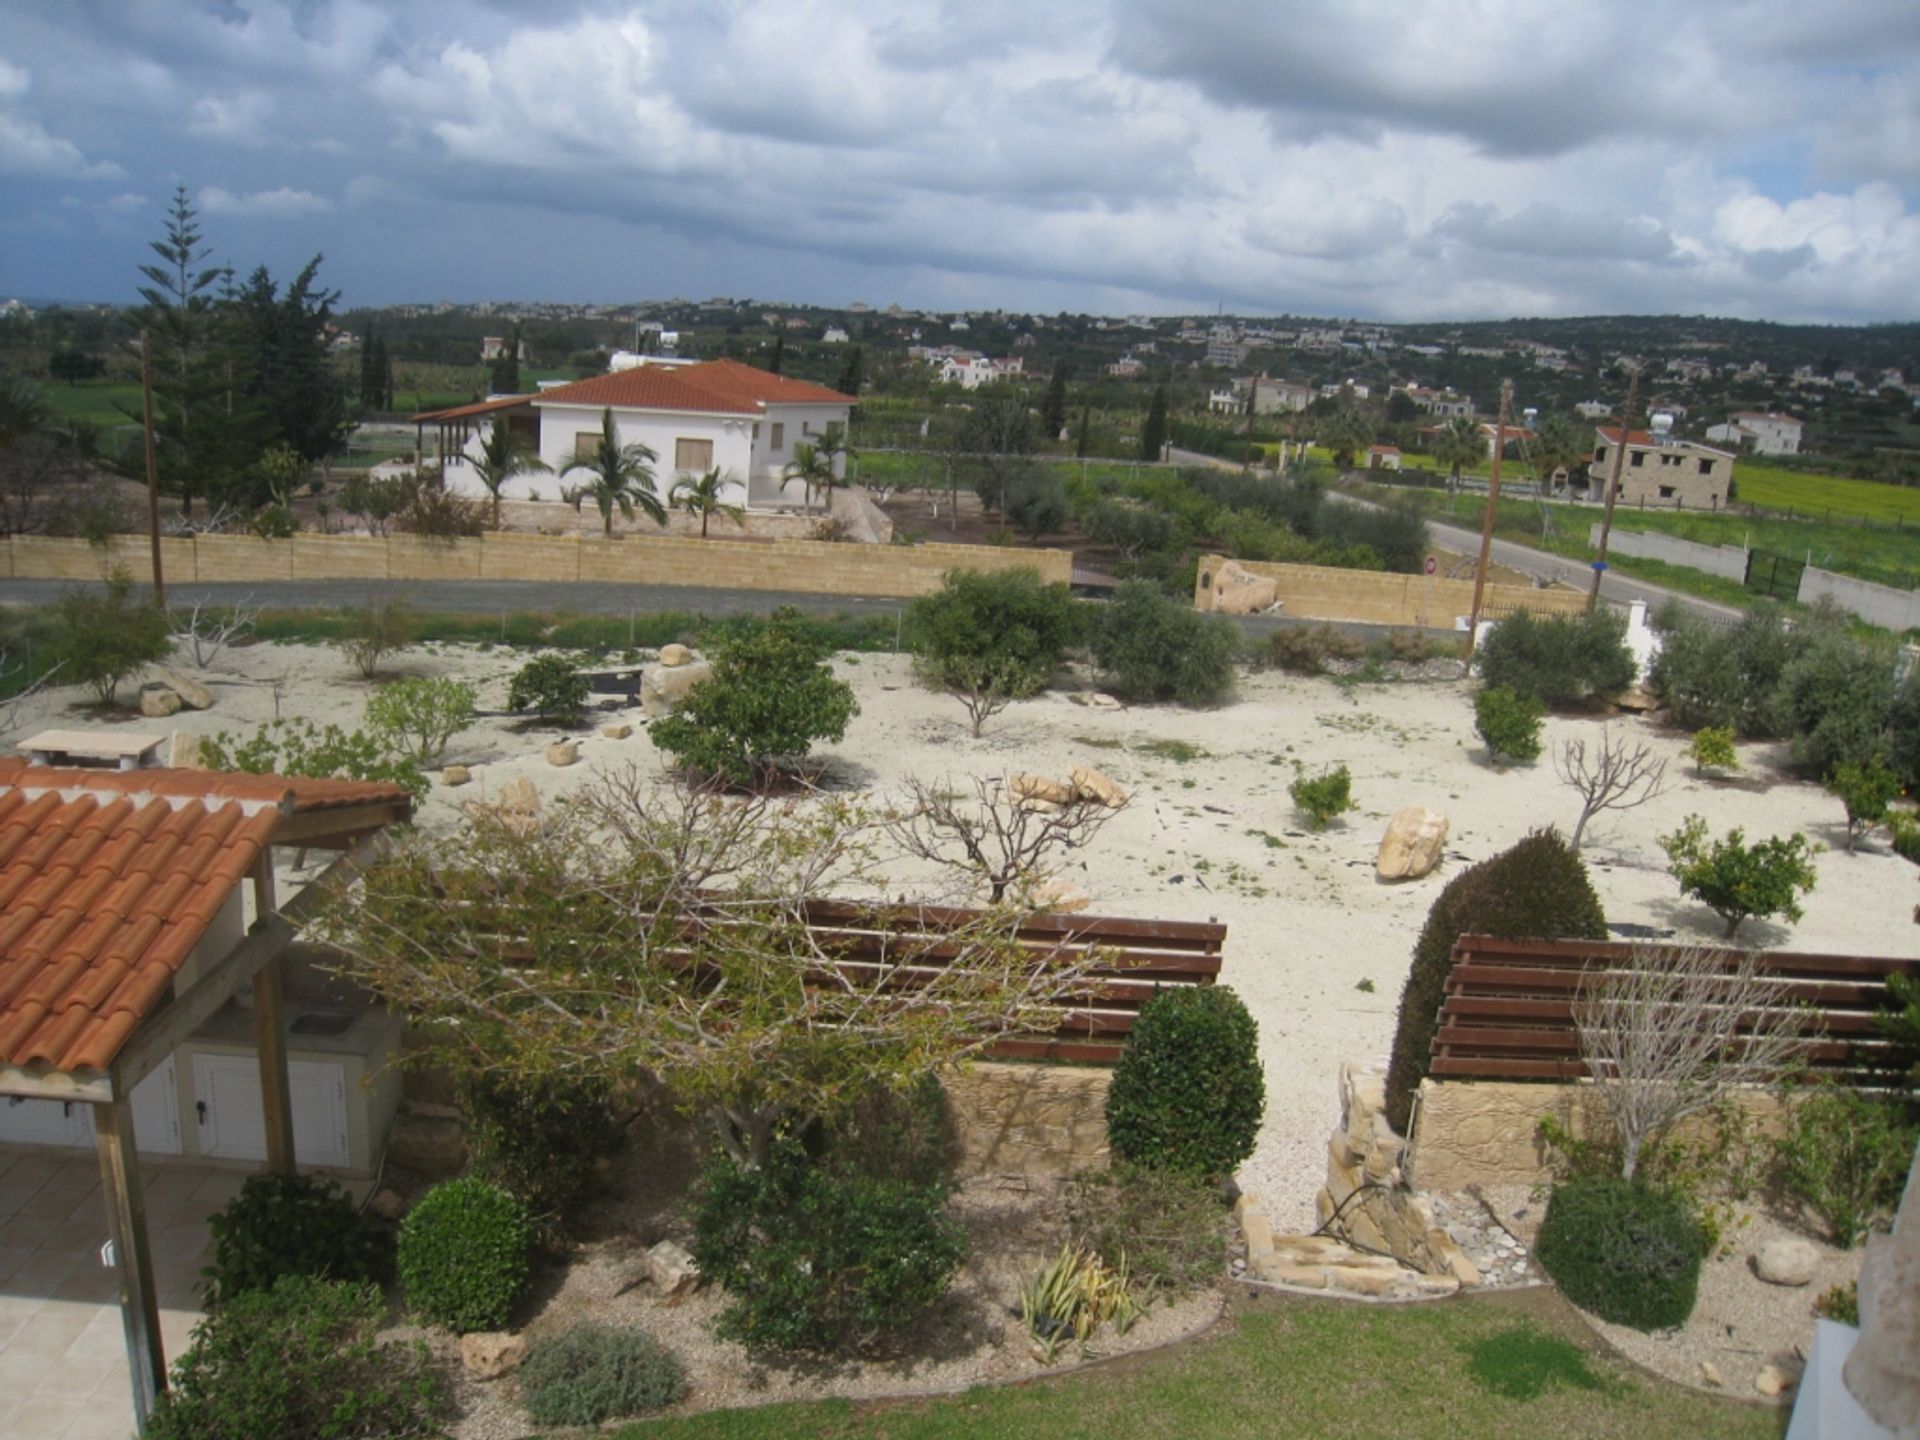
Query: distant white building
x=1225 y=348
x=1593 y=410
x=1763 y=432
x=833 y=335
x=1447 y=404
x=970 y=371
x=1273 y=397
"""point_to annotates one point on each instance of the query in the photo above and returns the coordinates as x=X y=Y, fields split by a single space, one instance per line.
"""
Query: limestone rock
x=192 y=693
x=455 y=775
x=674 y=656
x=185 y=752
x=387 y=1204
x=563 y=752
x=1104 y=702
x=1090 y=785
x=1238 y=591
x=428 y=1145
x=1710 y=1374
x=619 y=730
x=1771 y=1381
x=663 y=687
x=1060 y=898
x=672 y=1271
x=158 y=701
x=1787 y=1260
x=1040 y=787
x=1415 y=840
x=487 y=1355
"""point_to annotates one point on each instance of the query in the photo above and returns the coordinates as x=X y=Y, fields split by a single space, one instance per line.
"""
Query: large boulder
x=672 y=1271
x=192 y=693
x=674 y=656
x=1415 y=840
x=488 y=1355
x=663 y=686
x=563 y=752
x=158 y=701
x=1238 y=591
x=1787 y=1260
x=1097 y=789
x=1040 y=787
x=184 y=753
x=455 y=775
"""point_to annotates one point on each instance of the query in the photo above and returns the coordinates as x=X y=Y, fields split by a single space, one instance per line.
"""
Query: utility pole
x=153 y=471
x=1613 y=487
x=1486 y=521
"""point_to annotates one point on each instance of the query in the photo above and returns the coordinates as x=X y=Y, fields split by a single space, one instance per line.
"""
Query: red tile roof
x=479 y=407
x=108 y=879
x=724 y=387
x=1611 y=434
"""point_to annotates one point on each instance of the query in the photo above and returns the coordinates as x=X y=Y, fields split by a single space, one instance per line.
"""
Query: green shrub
x=1153 y=647
x=1007 y=618
x=1128 y=526
x=1835 y=699
x=550 y=686
x=1736 y=880
x=1559 y=660
x=1866 y=790
x=1845 y=1156
x=542 y=1141
x=296 y=747
x=1187 y=1092
x=1899 y=1024
x=371 y=632
x=418 y=717
x=1168 y=1227
x=589 y=1374
x=1537 y=890
x=818 y=1259
x=465 y=1255
x=1712 y=749
x=1841 y=1303
x=1303 y=651
x=1628 y=1253
x=1906 y=835
x=289 y=1225
x=1036 y=503
x=1903 y=732
x=1710 y=675
x=770 y=696
x=1324 y=798
x=1508 y=723
x=101 y=639
x=300 y=1362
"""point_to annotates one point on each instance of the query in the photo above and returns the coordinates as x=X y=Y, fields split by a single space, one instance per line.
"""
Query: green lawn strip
x=1309 y=1369
x=1808 y=493
x=526 y=629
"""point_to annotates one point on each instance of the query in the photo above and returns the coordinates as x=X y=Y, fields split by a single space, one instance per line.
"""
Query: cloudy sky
x=1372 y=158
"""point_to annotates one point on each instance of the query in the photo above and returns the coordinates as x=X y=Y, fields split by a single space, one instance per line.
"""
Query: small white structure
x=1764 y=432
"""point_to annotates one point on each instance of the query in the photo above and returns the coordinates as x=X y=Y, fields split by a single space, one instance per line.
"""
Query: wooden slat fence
x=1141 y=958
x=1508 y=1009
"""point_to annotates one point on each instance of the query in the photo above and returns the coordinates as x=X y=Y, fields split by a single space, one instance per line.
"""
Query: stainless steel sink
x=322 y=1022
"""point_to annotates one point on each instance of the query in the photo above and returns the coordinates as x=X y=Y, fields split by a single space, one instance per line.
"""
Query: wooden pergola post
x=269 y=1014
x=127 y=1215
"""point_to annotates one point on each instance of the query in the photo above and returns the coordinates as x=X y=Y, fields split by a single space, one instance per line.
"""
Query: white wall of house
x=785 y=426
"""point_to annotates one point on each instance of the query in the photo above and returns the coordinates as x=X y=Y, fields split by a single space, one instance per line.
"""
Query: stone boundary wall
x=1897 y=610
x=1482 y=1132
x=1727 y=561
x=806 y=566
x=1029 y=1119
x=1427 y=602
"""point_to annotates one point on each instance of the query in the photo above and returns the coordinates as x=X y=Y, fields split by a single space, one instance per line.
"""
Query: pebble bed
x=1503 y=1262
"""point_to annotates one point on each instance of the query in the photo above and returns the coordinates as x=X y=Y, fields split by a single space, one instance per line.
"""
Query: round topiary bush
x=465 y=1255
x=289 y=1225
x=1626 y=1252
x=1187 y=1093
x=594 y=1373
x=1536 y=890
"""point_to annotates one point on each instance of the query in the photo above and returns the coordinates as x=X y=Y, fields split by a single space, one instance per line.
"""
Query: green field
x=106 y=403
x=1821 y=496
x=1287 y=1369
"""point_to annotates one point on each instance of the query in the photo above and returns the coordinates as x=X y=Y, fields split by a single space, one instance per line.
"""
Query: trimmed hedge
x=1536 y=890
x=1559 y=660
x=1188 y=1093
x=289 y=1225
x=542 y=1141
x=465 y=1255
x=1626 y=1252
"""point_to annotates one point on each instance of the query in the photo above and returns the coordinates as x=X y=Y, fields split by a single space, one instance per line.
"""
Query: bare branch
x=1668 y=1034
x=203 y=631
x=1004 y=843
x=1615 y=778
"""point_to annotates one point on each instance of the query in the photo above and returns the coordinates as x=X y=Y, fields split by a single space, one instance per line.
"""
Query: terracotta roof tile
x=109 y=879
x=723 y=387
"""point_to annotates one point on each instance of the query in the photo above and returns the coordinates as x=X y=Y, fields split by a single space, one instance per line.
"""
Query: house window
x=806 y=427
x=779 y=435
x=693 y=455
x=1639 y=458
x=1666 y=492
x=586 y=444
x=1600 y=455
x=1706 y=467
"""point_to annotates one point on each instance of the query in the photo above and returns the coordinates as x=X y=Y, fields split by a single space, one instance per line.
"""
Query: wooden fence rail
x=1508 y=1009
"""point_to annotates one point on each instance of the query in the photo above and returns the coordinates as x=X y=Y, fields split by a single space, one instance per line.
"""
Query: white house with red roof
x=695 y=418
x=1764 y=432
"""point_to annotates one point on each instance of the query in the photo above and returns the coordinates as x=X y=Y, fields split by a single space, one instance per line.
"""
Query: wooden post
x=1487 y=521
x=269 y=1016
x=153 y=471
x=127 y=1217
x=1613 y=488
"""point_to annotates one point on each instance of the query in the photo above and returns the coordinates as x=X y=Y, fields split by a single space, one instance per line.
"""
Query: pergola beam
x=269 y=1016
x=54 y=1085
x=127 y=1216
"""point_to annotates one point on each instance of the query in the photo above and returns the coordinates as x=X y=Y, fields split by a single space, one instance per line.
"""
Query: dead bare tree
x=1006 y=844
x=204 y=630
x=1674 y=1029
x=12 y=673
x=1615 y=778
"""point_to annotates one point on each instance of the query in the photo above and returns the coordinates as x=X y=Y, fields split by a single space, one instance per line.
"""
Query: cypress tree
x=850 y=376
x=1053 y=411
x=1153 y=435
x=779 y=355
x=1086 y=430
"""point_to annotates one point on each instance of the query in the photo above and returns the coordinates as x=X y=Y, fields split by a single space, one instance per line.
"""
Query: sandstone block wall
x=805 y=566
x=1030 y=1119
x=1485 y=1131
x=1321 y=592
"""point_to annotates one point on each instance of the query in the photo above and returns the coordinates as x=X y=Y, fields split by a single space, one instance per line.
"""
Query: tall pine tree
x=180 y=319
x=1084 y=438
x=1153 y=435
x=779 y=355
x=850 y=377
x=1053 y=410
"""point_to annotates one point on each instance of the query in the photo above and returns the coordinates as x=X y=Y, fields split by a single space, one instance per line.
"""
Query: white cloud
x=27 y=149
x=14 y=82
x=280 y=204
x=237 y=119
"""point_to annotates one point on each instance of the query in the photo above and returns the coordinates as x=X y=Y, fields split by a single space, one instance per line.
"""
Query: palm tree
x=619 y=475
x=505 y=454
x=1345 y=433
x=832 y=445
x=702 y=497
x=1460 y=443
x=23 y=409
x=811 y=468
x=1561 y=444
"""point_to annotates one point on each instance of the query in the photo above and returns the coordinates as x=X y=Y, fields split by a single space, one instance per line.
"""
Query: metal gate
x=1774 y=575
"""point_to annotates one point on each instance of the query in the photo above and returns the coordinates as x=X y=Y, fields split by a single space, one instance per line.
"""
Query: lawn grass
x=1807 y=494
x=594 y=634
x=109 y=404
x=1315 y=1370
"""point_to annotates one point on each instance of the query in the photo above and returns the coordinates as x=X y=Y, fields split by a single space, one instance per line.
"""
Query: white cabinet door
x=45 y=1122
x=233 y=1125
x=156 y=1113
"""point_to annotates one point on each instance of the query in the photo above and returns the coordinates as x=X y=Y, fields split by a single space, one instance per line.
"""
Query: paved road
x=1529 y=561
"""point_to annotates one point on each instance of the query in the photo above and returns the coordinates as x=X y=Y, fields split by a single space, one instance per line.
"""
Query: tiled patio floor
x=63 y=1364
